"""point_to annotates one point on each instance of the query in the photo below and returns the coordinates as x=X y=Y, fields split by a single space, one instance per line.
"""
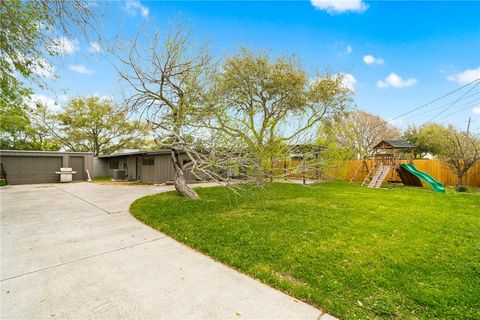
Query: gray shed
x=27 y=166
x=152 y=166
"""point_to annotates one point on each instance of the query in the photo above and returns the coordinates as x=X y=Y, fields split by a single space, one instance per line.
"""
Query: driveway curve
x=74 y=251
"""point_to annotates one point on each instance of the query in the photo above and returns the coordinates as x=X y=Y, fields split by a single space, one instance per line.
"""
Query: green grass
x=102 y=179
x=352 y=251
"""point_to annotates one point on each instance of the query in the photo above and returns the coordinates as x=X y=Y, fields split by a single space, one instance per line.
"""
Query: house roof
x=397 y=144
x=136 y=153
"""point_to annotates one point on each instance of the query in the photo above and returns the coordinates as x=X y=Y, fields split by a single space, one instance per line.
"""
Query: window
x=148 y=161
x=113 y=164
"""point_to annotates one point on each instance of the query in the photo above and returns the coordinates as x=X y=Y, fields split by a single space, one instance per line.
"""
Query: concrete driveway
x=74 y=251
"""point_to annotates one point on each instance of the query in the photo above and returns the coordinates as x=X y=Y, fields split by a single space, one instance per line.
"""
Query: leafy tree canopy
x=30 y=32
x=429 y=138
x=96 y=125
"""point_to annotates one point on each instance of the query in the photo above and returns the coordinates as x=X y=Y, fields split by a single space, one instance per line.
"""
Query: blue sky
x=396 y=55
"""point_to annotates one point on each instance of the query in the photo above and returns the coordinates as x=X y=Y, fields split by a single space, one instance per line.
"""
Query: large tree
x=97 y=125
x=31 y=32
x=428 y=139
x=269 y=106
x=26 y=129
x=168 y=83
x=359 y=131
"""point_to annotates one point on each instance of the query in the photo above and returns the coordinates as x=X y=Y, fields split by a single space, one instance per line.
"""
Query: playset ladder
x=368 y=177
x=379 y=176
x=361 y=166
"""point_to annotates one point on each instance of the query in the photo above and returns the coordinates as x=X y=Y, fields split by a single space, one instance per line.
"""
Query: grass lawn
x=102 y=179
x=352 y=251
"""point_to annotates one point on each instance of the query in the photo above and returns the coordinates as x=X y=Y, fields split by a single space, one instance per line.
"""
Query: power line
x=458 y=111
x=448 y=107
x=446 y=104
x=435 y=100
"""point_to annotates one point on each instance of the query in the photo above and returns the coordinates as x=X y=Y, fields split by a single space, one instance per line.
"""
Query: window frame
x=113 y=164
x=150 y=161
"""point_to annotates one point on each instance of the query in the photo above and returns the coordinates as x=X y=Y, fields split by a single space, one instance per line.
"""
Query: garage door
x=76 y=163
x=26 y=170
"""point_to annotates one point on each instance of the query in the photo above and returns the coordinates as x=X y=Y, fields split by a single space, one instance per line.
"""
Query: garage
x=27 y=170
x=76 y=163
x=31 y=167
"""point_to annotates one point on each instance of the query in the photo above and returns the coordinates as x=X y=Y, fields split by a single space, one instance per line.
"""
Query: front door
x=139 y=169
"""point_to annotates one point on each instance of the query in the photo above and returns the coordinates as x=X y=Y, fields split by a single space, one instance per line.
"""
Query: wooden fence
x=436 y=168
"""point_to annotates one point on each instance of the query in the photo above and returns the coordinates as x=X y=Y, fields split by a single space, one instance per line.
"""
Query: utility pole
x=468 y=125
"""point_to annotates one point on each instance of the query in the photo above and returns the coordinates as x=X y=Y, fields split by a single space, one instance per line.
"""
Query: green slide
x=437 y=186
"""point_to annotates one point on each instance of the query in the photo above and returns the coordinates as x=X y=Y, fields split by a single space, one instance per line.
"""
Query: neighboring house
x=153 y=166
x=299 y=151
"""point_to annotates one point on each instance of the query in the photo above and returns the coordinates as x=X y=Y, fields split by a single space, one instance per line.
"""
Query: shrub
x=461 y=188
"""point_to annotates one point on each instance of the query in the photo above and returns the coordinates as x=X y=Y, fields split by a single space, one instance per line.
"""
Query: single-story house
x=152 y=166
x=26 y=166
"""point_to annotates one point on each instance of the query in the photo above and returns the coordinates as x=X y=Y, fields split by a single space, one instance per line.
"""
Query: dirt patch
x=288 y=277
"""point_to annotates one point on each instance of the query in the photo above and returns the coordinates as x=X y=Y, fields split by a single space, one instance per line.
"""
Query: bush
x=461 y=188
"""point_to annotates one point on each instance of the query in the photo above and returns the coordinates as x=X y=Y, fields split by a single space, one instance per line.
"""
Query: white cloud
x=44 y=69
x=103 y=96
x=399 y=123
x=465 y=76
x=476 y=110
x=51 y=104
x=63 y=98
x=81 y=69
x=39 y=67
x=382 y=84
x=349 y=81
x=349 y=49
x=94 y=47
x=65 y=46
x=394 y=80
x=134 y=6
x=339 y=6
x=369 y=59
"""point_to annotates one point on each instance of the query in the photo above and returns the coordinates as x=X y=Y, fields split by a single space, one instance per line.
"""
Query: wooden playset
x=386 y=156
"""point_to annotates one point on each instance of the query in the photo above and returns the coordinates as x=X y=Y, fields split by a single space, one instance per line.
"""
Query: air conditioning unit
x=118 y=174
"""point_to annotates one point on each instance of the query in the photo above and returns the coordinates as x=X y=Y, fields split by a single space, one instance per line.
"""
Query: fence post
x=271 y=169
x=304 y=170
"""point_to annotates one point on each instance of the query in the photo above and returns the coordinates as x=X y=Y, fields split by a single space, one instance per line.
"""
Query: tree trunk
x=460 y=180
x=95 y=147
x=182 y=187
x=179 y=179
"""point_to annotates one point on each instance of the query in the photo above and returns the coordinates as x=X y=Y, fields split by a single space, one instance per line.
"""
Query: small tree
x=96 y=125
x=461 y=152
